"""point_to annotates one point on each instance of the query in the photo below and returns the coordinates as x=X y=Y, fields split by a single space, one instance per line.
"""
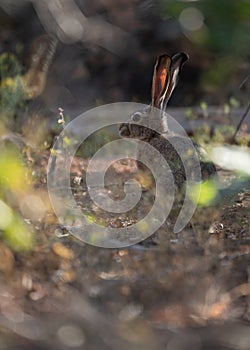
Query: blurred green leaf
x=208 y=191
x=13 y=174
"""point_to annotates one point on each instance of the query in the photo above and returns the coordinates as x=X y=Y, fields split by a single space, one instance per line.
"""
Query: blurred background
x=105 y=50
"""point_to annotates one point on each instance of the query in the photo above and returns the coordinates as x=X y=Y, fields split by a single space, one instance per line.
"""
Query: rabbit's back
x=185 y=158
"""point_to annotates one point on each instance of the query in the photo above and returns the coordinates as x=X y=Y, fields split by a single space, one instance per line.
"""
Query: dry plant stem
x=244 y=81
x=241 y=121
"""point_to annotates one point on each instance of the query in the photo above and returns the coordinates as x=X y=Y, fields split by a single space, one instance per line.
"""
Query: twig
x=241 y=121
x=244 y=81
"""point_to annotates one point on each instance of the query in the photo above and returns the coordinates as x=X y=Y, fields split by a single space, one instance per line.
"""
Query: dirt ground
x=190 y=290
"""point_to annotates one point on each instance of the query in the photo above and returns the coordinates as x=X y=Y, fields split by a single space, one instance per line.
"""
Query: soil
x=185 y=290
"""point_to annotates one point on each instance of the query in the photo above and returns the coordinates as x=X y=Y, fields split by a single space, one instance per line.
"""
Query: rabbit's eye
x=136 y=117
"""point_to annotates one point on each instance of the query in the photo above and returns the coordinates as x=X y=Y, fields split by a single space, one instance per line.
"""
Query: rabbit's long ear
x=161 y=79
x=176 y=65
x=166 y=75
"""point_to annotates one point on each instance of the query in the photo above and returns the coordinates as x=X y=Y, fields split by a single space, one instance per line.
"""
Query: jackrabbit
x=151 y=126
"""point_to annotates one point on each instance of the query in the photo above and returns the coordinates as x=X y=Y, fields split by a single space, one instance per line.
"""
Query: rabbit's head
x=142 y=124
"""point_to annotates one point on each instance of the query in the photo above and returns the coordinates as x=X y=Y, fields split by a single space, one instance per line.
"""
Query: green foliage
x=16 y=232
x=206 y=192
x=13 y=183
x=219 y=72
x=226 y=23
x=11 y=91
x=191 y=114
x=222 y=32
x=207 y=134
